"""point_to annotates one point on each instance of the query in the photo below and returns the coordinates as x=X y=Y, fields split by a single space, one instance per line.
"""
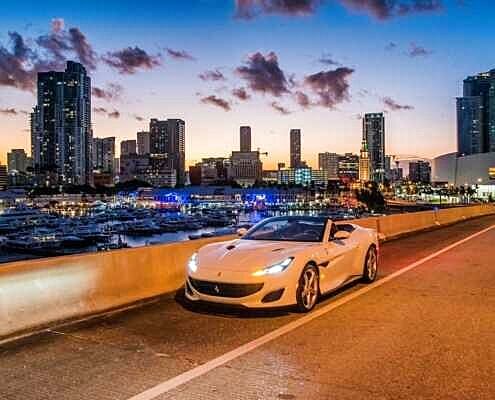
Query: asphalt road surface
x=424 y=330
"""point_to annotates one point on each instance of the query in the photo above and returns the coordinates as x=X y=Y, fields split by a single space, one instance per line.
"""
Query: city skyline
x=214 y=84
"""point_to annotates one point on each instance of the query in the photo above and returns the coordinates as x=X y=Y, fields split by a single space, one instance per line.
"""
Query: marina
x=28 y=232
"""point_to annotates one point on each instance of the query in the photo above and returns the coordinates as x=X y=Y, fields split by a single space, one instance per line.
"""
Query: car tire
x=308 y=289
x=370 y=268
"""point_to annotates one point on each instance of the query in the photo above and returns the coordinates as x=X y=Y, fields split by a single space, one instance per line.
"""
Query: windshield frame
x=260 y=224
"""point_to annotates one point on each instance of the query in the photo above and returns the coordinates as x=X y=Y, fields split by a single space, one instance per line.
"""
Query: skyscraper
x=61 y=127
x=167 y=141
x=245 y=139
x=329 y=162
x=104 y=154
x=4 y=180
x=143 y=143
x=420 y=171
x=349 y=167
x=374 y=137
x=127 y=147
x=476 y=115
x=17 y=160
x=295 y=148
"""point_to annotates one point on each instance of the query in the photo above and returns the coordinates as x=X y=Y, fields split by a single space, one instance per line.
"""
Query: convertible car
x=283 y=261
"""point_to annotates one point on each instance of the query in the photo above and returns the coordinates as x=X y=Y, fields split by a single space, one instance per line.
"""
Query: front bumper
x=266 y=293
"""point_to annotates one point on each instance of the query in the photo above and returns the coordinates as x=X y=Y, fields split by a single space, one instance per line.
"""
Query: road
x=425 y=330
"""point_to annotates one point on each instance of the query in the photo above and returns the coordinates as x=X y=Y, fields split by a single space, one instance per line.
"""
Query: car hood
x=247 y=255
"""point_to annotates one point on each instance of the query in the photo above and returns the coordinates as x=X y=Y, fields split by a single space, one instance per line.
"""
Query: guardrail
x=39 y=293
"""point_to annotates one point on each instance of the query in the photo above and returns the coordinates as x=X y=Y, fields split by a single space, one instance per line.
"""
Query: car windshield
x=291 y=229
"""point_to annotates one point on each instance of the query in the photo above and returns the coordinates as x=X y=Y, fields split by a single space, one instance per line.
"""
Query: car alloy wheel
x=308 y=289
x=370 y=265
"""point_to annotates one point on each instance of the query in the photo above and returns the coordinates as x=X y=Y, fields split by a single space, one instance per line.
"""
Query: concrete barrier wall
x=37 y=293
x=400 y=224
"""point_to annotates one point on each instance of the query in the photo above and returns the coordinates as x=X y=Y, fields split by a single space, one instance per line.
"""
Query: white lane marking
x=187 y=376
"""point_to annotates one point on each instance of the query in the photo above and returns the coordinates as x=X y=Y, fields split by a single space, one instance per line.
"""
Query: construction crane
x=265 y=153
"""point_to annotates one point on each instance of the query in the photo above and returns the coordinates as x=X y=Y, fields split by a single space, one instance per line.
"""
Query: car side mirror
x=341 y=235
x=241 y=231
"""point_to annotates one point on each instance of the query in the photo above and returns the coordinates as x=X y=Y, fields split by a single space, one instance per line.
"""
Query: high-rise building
x=143 y=143
x=18 y=160
x=295 y=148
x=374 y=136
x=127 y=147
x=104 y=154
x=245 y=139
x=167 y=140
x=349 y=167
x=420 y=171
x=246 y=168
x=61 y=127
x=304 y=176
x=329 y=162
x=469 y=125
x=396 y=174
x=476 y=115
x=364 y=163
x=209 y=171
x=4 y=178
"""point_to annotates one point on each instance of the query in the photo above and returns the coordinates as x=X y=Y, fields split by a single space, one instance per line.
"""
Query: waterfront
x=32 y=232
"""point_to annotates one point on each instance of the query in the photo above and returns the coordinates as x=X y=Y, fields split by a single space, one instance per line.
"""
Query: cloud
x=103 y=111
x=180 y=55
x=82 y=48
x=391 y=104
x=379 y=9
x=130 y=59
x=24 y=58
x=56 y=47
x=216 y=101
x=241 y=94
x=59 y=43
x=263 y=74
x=58 y=25
x=386 y=9
x=12 y=112
x=331 y=87
x=14 y=64
x=100 y=110
x=363 y=92
x=114 y=114
x=212 y=75
x=327 y=59
x=113 y=91
x=138 y=118
x=418 y=51
x=281 y=109
x=302 y=99
x=249 y=9
x=391 y=46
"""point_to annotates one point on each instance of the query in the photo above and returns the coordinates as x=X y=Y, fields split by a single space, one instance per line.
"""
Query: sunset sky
x=270 y=64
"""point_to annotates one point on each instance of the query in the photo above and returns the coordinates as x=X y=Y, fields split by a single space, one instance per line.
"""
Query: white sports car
x=283 y=261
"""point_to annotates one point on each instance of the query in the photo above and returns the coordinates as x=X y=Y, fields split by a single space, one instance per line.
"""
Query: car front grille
x=220 y=289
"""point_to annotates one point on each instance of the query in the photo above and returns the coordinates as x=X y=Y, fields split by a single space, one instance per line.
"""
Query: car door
x=339 y=268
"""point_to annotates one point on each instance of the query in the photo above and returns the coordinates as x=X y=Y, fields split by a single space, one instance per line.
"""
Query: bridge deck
x=428 y=333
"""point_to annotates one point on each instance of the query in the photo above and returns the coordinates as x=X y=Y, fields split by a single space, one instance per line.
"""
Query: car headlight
x=275 y=268
x=192 y=264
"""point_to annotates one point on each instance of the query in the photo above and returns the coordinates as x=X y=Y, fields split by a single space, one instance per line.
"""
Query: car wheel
x=370 y=269
x=308 y=289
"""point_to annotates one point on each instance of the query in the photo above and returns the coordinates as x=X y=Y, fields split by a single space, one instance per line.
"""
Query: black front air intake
x=220 y=289
x=273 y=296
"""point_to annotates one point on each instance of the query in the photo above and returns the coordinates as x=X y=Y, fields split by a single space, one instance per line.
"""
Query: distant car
x=283 y=261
